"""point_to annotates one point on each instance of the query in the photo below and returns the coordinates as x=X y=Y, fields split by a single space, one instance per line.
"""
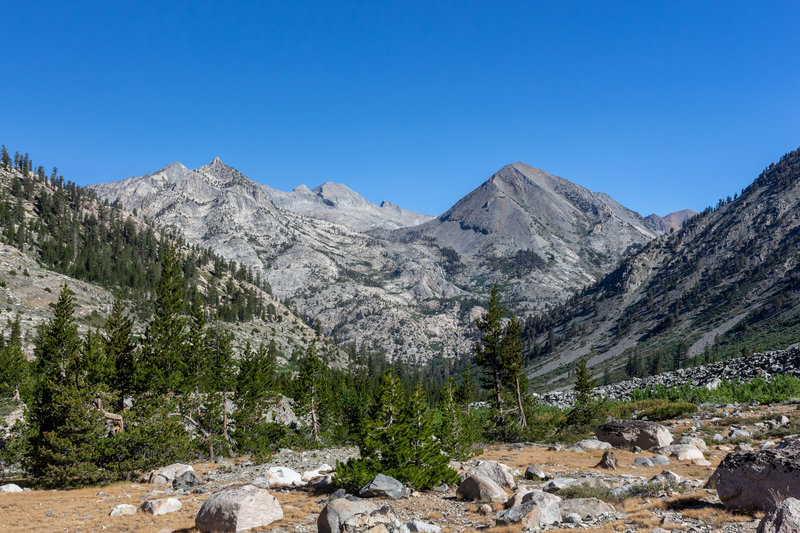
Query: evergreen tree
x=512 y=361
x=163 y=367
x=120 y=350
x=398 y=441
x=489 y=350
x=65 y=434
x=427 y=464
x=585 y=409
x=451 y=431
x=308 y=387
x=14 y=366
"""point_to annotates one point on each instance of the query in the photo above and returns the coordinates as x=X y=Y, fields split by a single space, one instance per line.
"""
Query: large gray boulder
x=783 y=518
x=337 y=512
x=165 y=475
x=382 y=486
x=238 y=509
x=280 y=412
x=11 y=487
x=536 y=509
x=161 y=506
x=380 y=520
x=630 y=433
x=682 y=452
x=755 y=480
x=497 y=472
x=480 y=488
x=584 y=507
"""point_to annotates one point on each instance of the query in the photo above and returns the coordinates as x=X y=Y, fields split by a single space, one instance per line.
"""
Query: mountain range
x=408 y=283
x=634 y=295
x=727 y=283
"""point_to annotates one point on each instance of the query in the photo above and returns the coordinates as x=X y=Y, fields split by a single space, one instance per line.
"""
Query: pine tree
x=398 y=441
x=512 y=362
x=488 y=350
x=308 y=387
x=14 y=366
x=451 y=431
x=120 y=350
x=164 y=367
x=427 y=464
x=585 y=409
x=65 y=433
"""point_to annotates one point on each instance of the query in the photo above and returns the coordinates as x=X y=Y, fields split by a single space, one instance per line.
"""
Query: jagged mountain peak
x=339 y=195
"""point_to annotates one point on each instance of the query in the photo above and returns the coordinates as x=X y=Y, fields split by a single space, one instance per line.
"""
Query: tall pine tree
x=66 y=433
x=489 y=348
x=164 y=366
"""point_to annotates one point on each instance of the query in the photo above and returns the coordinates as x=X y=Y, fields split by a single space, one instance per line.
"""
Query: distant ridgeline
x=726 y=284
x=68 y=229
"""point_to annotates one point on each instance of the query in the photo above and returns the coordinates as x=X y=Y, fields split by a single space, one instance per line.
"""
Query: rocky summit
x=368 y=273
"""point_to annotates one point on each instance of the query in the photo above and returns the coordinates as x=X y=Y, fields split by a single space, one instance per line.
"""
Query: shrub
x=398 y=442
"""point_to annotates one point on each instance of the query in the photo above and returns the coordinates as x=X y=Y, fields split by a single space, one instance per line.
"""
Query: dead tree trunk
x=523 y=422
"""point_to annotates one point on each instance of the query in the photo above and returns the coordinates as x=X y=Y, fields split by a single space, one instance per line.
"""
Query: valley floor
x=692 y=508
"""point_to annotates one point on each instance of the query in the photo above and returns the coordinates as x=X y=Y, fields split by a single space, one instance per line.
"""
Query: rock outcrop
x=783 y=518
x=238 y=509
x=630 y=433
x=480 y=488
x=755 y=480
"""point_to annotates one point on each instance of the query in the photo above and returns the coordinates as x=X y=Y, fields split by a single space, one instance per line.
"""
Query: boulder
x=380 y=520
x=682 y=452
x=536 y=509
x=187 y=480
x=165 y=475
x=382 y=486
x=783 y=518
x=739 y=434
x=280 y=412
x=337 y=512
x=534 y=473
x=660 y=460
x=161 y=506
x=666 y=477
x=497 y=472
x=11 y=487
x=630 y=433
x=589 y=444
x=284 y=477
x=643 y=461
x=238 y=509
x=755 y=480
x=123 y=509
x=480 y=488
x=584 y=507
x=700 y=444
x=608 y=461
x=323 y=469
x=418 y=526
x=560 y=483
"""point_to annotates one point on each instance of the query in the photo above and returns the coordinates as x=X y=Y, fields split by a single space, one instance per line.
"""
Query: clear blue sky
x=662 y=105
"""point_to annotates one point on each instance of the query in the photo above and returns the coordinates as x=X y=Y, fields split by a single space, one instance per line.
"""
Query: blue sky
x=662 y=105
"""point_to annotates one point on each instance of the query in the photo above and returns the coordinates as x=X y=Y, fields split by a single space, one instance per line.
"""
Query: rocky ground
x=686 y=505
x=760 y=365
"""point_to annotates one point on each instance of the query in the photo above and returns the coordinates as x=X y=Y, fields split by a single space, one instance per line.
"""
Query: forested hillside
x=63 y=228
x=728 y=283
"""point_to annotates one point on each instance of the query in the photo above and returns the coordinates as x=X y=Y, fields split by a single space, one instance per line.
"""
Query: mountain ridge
x=404 y=287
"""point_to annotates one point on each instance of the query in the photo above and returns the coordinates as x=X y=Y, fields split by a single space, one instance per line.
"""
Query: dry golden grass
x=84 y=510
x=585 y=461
